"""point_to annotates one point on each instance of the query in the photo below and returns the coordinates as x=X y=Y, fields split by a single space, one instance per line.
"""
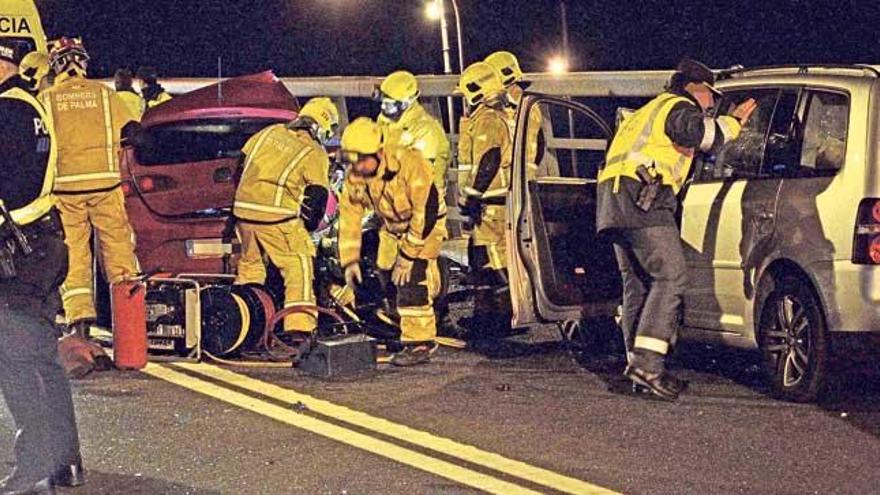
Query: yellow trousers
x=105 y=212
x=415 y=300
x=489 y=236
x=289 y=247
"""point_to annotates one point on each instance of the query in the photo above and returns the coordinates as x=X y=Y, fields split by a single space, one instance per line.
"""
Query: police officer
x=397 y=184
x=483 y=193
x=148 y=84
x=90 y=122
x=647 y=163
x=281 y=197
x=512 y=77
x=33 y=261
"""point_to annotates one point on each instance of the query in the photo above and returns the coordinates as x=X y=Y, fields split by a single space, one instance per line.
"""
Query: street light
x=436 y=10
x=557 y=65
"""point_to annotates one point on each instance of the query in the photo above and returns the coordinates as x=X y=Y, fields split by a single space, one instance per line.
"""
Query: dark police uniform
x=34 y=385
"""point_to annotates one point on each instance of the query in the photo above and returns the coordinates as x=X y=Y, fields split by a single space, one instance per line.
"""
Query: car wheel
x=793 y=341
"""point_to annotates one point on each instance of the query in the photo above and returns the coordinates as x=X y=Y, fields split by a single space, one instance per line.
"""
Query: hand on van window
x=744 y=110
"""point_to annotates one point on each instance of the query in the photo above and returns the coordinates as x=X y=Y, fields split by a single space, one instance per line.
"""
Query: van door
x=558 y=269
x=729 y=212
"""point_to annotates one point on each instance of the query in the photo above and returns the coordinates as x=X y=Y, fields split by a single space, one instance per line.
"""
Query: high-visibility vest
x=419 y=130
x=45 y=201
x=157 y=100
x=280 y=163
x=133 y=101
x=88 y=119
x=642 y=140
x=403 y=195
x=488 y=129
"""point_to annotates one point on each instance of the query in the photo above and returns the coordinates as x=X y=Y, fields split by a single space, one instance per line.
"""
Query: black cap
x=697 y=72
x=14 y=49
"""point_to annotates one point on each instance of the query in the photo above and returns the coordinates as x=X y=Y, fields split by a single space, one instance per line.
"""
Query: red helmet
x=66 y=54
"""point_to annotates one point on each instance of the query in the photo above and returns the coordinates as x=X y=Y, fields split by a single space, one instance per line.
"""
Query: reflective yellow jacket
x=134 y=102
x=536 y=121
x=418 y=129
x=488 y=138
x=88 y=119
x=158 y=100
x=44 y=203
x=402 y=194
x=279 y=164
x=642 y=140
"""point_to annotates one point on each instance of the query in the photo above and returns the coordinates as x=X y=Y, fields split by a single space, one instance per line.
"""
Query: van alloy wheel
x=789 y=341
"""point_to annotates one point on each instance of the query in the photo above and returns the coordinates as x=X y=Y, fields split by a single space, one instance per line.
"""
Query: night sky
x=374 y=37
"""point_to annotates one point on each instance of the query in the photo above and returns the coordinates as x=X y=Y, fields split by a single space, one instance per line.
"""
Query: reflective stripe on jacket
x=88 y=119
x=279 y=164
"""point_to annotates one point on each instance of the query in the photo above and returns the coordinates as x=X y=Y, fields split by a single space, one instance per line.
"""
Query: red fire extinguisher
x=128 y=305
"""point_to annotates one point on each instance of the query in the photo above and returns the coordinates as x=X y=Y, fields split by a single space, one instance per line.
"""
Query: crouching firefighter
x=33 y=262
x=646 y=166
x=483 y=194
x=397 y=184
x=280 y=199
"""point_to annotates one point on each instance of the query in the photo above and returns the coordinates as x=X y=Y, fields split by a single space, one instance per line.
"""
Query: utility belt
x=17 y=242
x=650 y=182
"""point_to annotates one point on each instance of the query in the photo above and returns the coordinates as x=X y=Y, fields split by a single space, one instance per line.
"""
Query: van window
x=825 y=124
x=196 y=140
x=741 y=158
x=785 y=139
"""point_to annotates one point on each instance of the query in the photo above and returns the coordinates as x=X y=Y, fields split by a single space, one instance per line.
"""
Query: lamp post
x=436 y=10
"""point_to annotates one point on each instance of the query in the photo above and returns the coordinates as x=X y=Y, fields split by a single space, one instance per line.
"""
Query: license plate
x=208 y=248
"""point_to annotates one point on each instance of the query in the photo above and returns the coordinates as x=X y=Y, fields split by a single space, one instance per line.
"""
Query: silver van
x=781 y=227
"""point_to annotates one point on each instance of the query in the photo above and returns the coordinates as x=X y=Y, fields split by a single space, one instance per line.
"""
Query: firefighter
x=484 y=193
x=280 y=199
x=148 y=85
x=34 y=71
x=647 y=163
x=512 y=78
x=33 y=261
x=397 y=184
x=90 y=122
x=123 y=81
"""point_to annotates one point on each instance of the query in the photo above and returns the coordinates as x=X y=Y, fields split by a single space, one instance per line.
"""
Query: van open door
x=559 y=270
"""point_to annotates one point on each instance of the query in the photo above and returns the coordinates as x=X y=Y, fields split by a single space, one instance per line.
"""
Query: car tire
x=793 y=339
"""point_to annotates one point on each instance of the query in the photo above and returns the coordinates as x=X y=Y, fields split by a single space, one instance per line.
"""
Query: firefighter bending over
x=280 y=199
x=397 y=184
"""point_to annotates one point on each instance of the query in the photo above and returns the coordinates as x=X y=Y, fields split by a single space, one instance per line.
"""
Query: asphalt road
x=514 y=415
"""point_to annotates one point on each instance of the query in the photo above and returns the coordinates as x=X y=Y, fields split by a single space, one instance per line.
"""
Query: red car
x=179 y=184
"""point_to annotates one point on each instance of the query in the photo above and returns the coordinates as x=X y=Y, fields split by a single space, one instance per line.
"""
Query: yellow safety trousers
x=289 y=247
x=105 y=212
x=490 y=233
x=418 y=322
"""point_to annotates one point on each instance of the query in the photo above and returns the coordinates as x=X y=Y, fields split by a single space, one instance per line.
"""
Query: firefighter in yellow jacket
x=485 y=189
x=280 y=198
x=396 y=183
x=512 y=77
x=90 y=121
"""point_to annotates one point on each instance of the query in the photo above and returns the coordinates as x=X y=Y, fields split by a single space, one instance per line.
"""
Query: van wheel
x=793 y=341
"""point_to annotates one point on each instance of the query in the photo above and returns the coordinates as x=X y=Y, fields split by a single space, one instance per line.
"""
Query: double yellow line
x=535 y=476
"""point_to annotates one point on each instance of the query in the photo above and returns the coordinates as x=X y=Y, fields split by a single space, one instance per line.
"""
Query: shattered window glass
x=825 y=131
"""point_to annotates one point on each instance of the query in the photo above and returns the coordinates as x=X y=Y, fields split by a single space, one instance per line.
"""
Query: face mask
x=393 y=109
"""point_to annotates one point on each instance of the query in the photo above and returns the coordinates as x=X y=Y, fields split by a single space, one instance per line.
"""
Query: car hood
x=256 y=95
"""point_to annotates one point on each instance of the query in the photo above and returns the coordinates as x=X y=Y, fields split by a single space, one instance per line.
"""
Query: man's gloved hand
x=744 y=110
x=402 y=271
x=353 y=275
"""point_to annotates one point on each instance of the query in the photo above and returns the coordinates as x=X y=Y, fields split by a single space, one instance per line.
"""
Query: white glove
x=353 y=275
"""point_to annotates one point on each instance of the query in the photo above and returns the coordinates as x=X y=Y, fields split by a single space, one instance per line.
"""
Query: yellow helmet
x=397 y=93
x=34 y=67
x=480 y=82
x=507 y=65
x=324 y=118
x=21 y=31
x=361 y=137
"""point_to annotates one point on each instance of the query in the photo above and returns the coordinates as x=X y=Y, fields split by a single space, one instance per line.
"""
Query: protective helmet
x=507 y=65
x=321 y=116
x=397 y=93
x=480 y=82
x=361 y=137
x=34 y=67
x=68 y=54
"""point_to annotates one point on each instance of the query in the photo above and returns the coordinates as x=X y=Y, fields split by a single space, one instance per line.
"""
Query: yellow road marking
x=378 y=447
x=423 y=439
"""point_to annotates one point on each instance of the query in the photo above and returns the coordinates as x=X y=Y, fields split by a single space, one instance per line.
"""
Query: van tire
x=793 y=339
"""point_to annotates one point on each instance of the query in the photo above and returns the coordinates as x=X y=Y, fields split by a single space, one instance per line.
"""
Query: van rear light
x=127 y=190
x=866 y=238
x=154 y=183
